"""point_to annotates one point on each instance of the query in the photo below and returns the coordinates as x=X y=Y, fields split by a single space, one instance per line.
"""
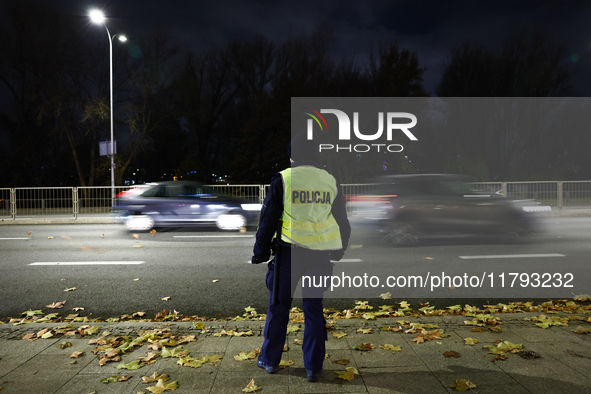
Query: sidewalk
x=564 y=365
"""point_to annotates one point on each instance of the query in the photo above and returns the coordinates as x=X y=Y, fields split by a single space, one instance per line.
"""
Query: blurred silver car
x=410 y=207
x=183 y=204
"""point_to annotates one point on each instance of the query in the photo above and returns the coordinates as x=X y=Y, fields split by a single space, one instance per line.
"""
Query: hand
x=337 y=255
x=258 y=260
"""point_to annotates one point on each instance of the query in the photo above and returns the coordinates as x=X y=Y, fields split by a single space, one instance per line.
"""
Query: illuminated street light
x=97 y=17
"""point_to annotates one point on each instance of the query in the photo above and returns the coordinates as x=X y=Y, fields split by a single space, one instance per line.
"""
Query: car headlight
x=252 y=207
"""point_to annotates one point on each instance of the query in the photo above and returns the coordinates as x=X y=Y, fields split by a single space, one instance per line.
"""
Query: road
x=204 y=272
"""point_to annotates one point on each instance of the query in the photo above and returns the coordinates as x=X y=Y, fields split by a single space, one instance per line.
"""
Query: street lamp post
x=98 y=17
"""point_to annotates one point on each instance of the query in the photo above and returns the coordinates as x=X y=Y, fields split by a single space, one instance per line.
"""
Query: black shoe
x=266 y=367
x=313 y=376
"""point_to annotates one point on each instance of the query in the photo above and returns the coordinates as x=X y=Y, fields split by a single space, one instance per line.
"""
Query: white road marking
x=511 y=256
x=12 y=238
x=348 y=261
x=89 y=263
x=213 y=236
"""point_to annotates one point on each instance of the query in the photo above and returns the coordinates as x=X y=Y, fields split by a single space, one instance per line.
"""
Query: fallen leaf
x=348 y=374
x=29 y=337
x=451 y=353
x=152 y=231
x=165 y=298
x=28 y=233
x=339 y=335
x=479 y=329
x=161 y=387
x=47 y=335
x=30 y=313
x=131 y=365
x=175 y=352
x=124 y=378
x=251 y=387
x=138 y=246
x=154 y=378
x=111 y=379
x=71 y=289
x=247 y=356
x=77 y=354
x=64 y=345
x=342 y=362
x=298 y=342
x=386 y=296
x=78 y=308
x=285 y=363
x=364 y=330
x=136 y=279
x=429 y=258
x=581 y=330
x=215 y=280
x=136 y=236
x=292 y=329
x=471 y=341
x=50 y=237
x=391 y=348
x=463 y=385
x=495 y=329
x=499 y=358
x=582 y=297
x=529 y=354
x=364 y=347
x=56 y=305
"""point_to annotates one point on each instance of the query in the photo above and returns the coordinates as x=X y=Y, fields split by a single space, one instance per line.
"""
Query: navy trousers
x=296 y=262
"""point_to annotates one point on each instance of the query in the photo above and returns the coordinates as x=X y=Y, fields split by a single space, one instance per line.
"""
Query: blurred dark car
x=410 y=207
x=182 y=204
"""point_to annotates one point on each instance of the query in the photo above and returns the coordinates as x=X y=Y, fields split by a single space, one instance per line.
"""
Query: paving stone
x=44 y=373
x=16 y=352
x=234 y=382
x=552 y=334
x=190 y=380
x=381 y=357
x=297 y=356
x=576 y=357
x=329 y=382
x=408 y=380
x=545 y=375
x=92 y=382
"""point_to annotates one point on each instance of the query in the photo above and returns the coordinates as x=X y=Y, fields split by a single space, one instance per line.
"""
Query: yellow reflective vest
x=307 y=221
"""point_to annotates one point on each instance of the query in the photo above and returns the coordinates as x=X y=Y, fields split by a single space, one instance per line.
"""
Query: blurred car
x=181 y=204
x=410 y=207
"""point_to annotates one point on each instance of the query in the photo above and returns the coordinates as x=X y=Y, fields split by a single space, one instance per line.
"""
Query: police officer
x=314 y=231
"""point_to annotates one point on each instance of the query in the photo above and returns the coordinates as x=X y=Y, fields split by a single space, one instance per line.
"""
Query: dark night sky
x=430 y=27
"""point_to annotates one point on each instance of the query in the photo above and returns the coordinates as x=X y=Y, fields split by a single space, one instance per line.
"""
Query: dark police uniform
x=306 y=249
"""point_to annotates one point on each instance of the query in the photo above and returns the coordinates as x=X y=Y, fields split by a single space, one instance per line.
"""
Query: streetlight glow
x=97 y=17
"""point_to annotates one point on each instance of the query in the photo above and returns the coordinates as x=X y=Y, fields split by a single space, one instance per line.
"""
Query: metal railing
x=96 y=200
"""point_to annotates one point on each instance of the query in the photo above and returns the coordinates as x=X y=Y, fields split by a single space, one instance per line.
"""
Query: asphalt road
x=205 y=273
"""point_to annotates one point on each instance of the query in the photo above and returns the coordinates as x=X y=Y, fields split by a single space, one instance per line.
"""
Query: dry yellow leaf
x=251 y=387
